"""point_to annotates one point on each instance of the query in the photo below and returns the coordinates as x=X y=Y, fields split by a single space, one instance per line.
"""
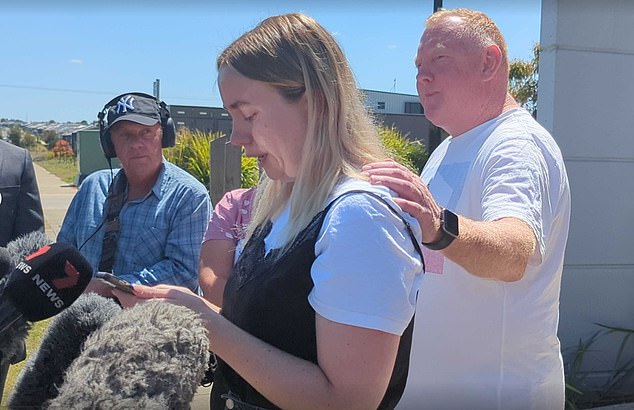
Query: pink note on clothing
x=434 y=261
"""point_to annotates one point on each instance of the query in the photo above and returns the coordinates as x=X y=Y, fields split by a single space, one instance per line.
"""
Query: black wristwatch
x=448 y=228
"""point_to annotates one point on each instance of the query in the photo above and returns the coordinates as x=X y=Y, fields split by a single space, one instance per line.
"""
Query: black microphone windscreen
x=6 y=262
x=26 y=244
x=13 y=328
x=47 y=281
x=152 y=355
x=44 y=371
x=13 y=335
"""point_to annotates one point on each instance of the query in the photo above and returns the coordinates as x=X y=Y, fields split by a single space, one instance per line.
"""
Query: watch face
x=450 y=222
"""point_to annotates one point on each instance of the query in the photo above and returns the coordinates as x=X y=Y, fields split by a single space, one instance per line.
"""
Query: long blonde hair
x=297 y=56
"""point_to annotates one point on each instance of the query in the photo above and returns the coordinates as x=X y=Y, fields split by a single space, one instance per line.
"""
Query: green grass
x=32 y=343
x=65 y=169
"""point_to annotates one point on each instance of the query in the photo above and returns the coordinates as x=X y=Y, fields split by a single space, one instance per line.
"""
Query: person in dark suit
x=20 y=212
x=20 y=206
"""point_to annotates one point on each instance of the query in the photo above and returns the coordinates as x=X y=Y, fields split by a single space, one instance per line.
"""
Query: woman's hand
x=172 y=294
x=99 y=287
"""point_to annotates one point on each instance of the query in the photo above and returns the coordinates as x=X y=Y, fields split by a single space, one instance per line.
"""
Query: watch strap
x=441 y=243
x=446 y=238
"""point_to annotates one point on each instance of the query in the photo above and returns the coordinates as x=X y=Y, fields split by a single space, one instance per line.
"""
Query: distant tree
x=63 y=151
x=28 y=140
x=523 y=76
x=15 y=135
x=49 y=137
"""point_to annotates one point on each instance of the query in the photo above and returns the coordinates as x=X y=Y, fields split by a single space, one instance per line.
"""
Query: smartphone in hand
x=115 y=282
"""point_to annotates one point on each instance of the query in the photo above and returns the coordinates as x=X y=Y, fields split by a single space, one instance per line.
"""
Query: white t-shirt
x=366 y=272
x=488 y=344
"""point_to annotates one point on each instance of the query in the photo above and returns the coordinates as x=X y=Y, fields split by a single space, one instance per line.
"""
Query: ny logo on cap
x=124 y=104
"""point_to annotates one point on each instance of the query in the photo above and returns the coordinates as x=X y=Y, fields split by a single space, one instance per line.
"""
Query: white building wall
x=586 y=93
x=393 y=103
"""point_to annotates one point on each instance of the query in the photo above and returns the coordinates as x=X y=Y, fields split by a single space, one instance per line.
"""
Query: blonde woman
x=318 y=310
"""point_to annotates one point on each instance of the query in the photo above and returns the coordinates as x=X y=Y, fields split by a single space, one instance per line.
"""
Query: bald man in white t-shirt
x=493 y=202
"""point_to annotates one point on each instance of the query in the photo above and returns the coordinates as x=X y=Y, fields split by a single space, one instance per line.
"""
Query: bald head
x=472 y=26
x=462 y=78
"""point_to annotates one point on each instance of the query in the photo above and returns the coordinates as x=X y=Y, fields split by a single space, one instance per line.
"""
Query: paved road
x=56 y=196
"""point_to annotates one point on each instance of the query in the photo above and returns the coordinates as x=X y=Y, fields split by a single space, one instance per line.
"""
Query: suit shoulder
x=9 y=150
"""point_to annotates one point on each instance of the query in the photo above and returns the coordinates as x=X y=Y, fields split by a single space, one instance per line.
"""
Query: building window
x=380 y=105
x=413 y=108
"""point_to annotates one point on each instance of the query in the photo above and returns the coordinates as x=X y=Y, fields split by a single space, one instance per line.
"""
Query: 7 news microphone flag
x=43 y=284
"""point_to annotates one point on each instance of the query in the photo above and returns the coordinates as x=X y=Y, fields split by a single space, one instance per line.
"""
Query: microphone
x=6 y=263
x=16 y=250
x=12 y=340
x=26 y=244
x=44 y=371
x=153 y=355
x=43 y=284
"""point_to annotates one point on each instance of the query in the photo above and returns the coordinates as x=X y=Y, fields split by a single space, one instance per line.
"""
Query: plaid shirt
x=160 y=234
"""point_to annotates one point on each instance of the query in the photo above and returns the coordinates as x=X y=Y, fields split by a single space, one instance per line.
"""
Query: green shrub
x=582 y=392
x=191 y=153
x=412 y=154
x=250 y=172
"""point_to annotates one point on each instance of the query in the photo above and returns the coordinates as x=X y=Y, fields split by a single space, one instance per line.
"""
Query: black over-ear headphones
x=167 y=124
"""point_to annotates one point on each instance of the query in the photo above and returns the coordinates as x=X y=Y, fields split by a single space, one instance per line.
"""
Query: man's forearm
x=497 y=250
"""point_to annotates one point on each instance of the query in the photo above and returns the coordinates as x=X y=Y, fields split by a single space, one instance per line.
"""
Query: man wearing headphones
x=145 y=222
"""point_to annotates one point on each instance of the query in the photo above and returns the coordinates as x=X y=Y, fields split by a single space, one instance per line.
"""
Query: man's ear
x=492 y=61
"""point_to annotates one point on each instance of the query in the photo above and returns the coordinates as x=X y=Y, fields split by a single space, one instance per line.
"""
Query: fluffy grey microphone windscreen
x=6 y=262
x=44 y=371
x=27 y=244
x=153 y=355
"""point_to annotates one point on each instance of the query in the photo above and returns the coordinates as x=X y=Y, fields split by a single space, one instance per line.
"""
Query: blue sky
x=62 y=60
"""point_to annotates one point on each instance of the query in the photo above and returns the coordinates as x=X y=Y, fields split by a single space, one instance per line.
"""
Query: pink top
x=231 y=215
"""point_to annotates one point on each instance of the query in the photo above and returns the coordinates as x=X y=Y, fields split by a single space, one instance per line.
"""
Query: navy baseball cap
x=135 y=108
